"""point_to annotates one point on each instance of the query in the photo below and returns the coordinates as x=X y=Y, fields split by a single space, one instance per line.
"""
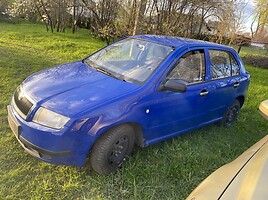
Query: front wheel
x=231 y=114
x=111 y=149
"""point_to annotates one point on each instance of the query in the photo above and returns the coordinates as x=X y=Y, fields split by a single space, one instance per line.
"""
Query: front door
x=177 y=111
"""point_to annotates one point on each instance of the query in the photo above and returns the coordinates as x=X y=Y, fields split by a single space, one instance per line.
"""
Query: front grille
x=22 y=104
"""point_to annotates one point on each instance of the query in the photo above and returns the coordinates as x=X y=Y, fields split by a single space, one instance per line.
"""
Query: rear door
x=225 y=78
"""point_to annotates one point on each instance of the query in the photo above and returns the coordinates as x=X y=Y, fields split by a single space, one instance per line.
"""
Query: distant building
x=258 y=44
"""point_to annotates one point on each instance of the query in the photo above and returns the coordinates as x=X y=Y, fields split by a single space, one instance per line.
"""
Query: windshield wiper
x=99 y=69
x=106 y=72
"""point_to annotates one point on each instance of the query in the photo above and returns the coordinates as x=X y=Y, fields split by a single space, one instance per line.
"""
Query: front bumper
x=64 y=147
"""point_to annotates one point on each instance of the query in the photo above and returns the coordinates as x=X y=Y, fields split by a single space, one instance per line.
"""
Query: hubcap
x=119 y=150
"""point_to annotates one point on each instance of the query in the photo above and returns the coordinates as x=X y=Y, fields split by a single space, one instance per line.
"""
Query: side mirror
x=263 y=108
x=175 y=85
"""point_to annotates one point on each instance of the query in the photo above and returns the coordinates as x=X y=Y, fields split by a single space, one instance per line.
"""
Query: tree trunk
x=139 y=17
x=48 y=16
x=74 y=17
x=59 y=17
x=39 y=12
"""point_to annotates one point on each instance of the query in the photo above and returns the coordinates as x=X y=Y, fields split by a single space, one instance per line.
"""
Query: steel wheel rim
x=119 y=151
x=231 y=115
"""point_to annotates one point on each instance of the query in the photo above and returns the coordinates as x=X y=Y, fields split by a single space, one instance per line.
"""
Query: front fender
x=131 y=110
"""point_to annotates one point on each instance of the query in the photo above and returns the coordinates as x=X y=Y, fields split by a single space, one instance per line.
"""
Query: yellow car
x=264 y=109
x=245 y=178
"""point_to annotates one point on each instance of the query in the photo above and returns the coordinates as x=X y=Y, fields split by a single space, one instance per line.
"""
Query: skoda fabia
x=139 y=90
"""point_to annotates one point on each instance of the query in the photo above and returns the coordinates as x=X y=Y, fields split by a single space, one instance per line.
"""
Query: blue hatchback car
x=139 y=90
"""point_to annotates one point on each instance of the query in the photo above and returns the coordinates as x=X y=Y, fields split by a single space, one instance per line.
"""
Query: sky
x=249 y=10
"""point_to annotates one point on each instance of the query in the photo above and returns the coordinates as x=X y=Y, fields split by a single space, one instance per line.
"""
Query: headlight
x=49 y=118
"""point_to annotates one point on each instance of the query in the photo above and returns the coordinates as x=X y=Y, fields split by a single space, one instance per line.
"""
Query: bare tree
x=219 y=19
x=102 y=16
x=139 y=16
x=260 y=19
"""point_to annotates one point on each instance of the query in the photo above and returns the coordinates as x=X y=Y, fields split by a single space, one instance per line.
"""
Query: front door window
x=190 y=67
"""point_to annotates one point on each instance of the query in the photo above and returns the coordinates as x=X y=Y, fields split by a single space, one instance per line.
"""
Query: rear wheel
x=111 y=149
x=231 y=114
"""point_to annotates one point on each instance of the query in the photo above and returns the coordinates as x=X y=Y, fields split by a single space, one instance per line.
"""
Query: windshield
x=130 y=60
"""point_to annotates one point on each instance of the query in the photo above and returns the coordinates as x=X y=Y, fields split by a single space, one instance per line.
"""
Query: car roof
x=178 y=41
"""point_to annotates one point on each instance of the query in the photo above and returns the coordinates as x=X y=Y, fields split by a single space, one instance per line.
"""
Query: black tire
x=231 y=114
x=111 y=149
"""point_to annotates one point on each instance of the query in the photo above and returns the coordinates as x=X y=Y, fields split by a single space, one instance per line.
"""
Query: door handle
x=203 y=93
x=236 y=84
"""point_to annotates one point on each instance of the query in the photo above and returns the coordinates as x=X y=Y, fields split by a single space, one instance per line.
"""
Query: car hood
x=74 y=87
x=244 y=178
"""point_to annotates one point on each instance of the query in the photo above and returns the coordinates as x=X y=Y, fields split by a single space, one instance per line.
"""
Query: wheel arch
x=138 y=134
x=241 y=100
x=137 y=129
x=139 y=141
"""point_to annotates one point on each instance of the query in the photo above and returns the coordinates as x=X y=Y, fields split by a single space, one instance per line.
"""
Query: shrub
x=256 y=61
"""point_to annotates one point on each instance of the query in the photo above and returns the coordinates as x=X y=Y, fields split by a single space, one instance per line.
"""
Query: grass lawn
x=252 y=50
x=168 y=170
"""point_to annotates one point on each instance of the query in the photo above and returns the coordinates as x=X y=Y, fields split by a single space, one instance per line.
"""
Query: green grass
x=167 y=170
x=252 y=51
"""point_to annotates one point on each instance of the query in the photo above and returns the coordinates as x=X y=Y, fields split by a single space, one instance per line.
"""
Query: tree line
x=217 y=20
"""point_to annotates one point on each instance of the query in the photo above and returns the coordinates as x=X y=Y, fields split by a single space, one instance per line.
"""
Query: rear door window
x=223 y=64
